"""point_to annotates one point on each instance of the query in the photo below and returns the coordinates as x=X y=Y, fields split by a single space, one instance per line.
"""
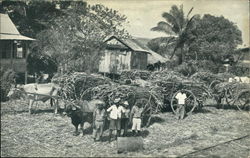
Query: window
x=19 y=52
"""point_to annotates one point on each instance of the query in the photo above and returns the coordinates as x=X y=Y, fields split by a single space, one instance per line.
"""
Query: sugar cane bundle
x=208 y=77
x=132 y=94
x=74 y=84
x=167 y=75
x=133 y=74
x=233 y=86
x=167 y=89
x=205 y=77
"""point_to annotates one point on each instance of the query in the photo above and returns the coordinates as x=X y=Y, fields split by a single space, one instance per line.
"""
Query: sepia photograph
x=125 y=78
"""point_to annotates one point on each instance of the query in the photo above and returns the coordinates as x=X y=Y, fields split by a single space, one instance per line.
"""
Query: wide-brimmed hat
x=126 y=103
x=117 y=100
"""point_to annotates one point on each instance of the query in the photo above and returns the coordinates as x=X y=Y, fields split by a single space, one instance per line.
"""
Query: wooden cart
x=234 y=94
x=196 y=94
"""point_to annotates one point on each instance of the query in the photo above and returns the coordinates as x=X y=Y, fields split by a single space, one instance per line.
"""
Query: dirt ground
x=45 y=134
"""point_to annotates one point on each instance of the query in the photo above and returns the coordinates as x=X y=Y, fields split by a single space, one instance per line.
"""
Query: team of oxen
x=34 y=93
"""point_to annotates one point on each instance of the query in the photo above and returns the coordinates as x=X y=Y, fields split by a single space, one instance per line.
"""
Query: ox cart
x=36 y=92
x=234 y=94
x=196 y=94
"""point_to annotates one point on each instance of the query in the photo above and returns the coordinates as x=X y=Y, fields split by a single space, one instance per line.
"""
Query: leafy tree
x=177 y=24
x=75 y=39
x=32 y=17
x=41 y=64
x=213 y=38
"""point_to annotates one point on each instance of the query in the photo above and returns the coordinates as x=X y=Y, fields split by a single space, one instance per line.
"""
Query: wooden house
x=13 y=46
x=126 y=54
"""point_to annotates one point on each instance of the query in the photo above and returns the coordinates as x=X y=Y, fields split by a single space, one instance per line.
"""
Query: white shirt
x=121 y=110
x=115 y=113
x=181 y=98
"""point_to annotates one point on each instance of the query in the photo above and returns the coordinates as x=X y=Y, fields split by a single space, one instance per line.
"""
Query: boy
x=136 y=117
x=98 y=121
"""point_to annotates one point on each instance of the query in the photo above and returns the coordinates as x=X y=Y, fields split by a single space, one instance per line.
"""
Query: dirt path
x=44 y=134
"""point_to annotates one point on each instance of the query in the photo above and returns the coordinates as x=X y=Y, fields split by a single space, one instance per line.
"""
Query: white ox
x=38 y=92
x=239 y=79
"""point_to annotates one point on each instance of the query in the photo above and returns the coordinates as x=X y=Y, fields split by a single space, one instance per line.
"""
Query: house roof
x=8 y=30
x=130 y=43
x=137 y=44
x=153 y=57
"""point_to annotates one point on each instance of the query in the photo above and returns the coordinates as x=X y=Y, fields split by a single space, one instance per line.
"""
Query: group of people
x=120 y=116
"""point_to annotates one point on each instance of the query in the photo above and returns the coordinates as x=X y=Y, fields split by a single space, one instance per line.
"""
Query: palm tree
x=176 y=24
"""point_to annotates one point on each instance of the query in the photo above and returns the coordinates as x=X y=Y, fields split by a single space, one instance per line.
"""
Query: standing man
x=99 y=115
x=136 y=117
x=113 y=123
x=181 y=108
x=125 y=117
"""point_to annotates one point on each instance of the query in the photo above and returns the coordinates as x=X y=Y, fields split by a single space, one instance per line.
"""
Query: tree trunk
x=182 y=56
x=60 y=68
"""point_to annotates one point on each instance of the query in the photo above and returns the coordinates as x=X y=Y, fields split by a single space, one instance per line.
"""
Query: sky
x=142 y=15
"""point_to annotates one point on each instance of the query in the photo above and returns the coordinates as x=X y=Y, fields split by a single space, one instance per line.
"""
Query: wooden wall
x=139 y=60
x=114 y=61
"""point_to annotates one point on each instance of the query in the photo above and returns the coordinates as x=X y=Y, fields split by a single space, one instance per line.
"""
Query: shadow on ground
x=154 y=119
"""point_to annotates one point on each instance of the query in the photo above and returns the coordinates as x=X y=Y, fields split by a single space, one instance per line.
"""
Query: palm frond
x=172 y=20
x=163 y=27
x=190 y=21
x=190 y=12
x=179 y=15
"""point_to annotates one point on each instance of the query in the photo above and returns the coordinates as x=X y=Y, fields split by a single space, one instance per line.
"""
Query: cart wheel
x=229 y=96
x=190 y=103
x=243 y=100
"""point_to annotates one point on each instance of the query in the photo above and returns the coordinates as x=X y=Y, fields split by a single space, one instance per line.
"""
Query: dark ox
x=37 y=92
x=80 y=112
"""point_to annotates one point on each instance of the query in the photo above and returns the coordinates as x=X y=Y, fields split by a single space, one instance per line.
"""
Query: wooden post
x=26 y=64
x=11 y=53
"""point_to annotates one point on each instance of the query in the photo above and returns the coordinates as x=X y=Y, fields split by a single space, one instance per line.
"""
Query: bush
x=7 y=78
